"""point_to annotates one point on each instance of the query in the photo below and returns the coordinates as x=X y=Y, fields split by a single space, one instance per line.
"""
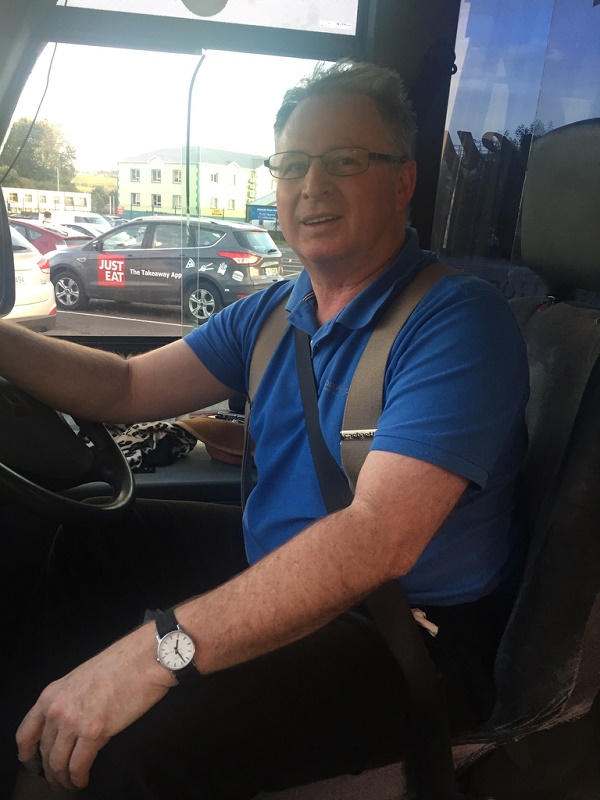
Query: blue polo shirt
x=455 y=391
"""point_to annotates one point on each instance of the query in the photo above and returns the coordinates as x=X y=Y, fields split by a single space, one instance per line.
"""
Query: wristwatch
x=176 y=648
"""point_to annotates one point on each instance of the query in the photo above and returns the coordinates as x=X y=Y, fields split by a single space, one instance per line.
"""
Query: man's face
x=353 y=222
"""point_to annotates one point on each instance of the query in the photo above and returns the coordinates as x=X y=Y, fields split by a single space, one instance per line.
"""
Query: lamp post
x=187 y=143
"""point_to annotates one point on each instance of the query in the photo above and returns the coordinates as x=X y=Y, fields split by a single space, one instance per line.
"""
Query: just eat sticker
x=111 y=270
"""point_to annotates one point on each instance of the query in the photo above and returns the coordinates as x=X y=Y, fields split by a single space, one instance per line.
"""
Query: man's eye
x=290 y=168
x=344 y=162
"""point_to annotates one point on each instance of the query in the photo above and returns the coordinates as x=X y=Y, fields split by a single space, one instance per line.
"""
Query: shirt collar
x=360 y=310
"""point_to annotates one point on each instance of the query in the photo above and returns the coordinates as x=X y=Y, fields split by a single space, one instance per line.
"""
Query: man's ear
x=407 y=180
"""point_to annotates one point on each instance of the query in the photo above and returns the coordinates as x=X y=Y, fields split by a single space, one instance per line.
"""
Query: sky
x=112 y=104
x=521 y=61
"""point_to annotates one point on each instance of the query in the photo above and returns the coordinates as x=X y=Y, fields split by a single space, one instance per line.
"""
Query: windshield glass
x=176 y=182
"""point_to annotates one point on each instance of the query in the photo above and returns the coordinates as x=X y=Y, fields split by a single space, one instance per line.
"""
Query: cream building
x=221 y=182
x=36 y=201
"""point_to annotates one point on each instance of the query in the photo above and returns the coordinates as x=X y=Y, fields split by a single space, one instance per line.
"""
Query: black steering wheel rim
x=42 y=456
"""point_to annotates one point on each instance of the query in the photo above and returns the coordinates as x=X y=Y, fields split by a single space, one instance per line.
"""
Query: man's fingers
x=28 y=735
x=56 y=753
x=82 y=758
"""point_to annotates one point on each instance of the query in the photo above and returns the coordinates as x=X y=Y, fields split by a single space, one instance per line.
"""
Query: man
x=292 y=682
x=47 y=220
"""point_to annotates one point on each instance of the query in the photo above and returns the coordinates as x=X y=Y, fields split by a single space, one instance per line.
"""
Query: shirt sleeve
x=224 y=343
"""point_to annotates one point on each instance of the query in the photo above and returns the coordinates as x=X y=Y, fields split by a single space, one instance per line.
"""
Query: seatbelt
x=430 y=759
x=365 y=396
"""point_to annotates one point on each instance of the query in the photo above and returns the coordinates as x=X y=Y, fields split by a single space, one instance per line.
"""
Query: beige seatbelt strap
x=365 y=396
x=364 y=402
x=269 y=336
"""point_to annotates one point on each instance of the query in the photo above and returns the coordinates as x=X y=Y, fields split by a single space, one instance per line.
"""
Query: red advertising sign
x=111 y=270
x=120 y=210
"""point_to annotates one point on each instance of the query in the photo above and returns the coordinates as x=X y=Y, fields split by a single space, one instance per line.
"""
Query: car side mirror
x=97 y=244
x=7 y=265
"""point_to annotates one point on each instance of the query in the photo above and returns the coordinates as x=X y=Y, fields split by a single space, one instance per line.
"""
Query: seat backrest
x=548 y=664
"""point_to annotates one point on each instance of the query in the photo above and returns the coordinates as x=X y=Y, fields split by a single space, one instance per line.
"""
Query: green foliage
x=524 y=133
x=47 y=158
x=16 y=181
x=100 y=200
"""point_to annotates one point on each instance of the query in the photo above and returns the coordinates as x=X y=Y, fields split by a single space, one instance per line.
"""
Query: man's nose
x=317 y=180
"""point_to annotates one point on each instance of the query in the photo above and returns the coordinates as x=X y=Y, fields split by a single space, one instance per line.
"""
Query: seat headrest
x=560 y=234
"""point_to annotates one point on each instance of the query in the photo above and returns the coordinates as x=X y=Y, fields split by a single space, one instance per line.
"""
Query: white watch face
x=175 y=650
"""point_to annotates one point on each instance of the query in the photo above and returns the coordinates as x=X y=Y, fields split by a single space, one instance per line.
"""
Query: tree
x=524 y=134
x=47 y=158
x=100 y=200
x=16 y=181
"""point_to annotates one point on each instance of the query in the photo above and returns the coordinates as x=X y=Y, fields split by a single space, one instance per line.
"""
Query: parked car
x=159 y=259
x=84 y=228
x=115 y=220
x=46 y=238
x=83 y=217
x=35 y=306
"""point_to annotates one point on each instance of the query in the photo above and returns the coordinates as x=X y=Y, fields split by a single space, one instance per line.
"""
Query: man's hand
x=76 y=716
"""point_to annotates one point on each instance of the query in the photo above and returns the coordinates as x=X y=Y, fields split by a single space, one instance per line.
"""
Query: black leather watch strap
x=166 y=621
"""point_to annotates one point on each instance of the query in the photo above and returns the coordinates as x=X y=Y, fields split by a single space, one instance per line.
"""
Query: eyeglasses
x=340 y=161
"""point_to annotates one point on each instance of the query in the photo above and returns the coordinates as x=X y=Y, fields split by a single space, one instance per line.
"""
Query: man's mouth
x=319 y=220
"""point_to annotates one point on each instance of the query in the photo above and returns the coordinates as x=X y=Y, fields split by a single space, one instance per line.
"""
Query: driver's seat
x=548 y=666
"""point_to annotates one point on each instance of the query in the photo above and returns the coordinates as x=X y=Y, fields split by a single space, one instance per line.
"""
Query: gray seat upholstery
x=547 y=669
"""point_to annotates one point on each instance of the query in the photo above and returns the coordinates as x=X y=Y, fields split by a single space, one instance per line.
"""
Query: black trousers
x=330 y=704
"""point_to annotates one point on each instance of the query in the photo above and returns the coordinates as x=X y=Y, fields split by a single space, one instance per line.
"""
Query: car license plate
x=20 y=279
x=272 y=271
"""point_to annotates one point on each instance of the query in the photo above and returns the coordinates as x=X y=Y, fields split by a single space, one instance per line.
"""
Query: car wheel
x=201 y=301
x=69 y=292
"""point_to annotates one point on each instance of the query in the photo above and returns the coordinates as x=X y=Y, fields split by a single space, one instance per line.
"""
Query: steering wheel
x=42 y=456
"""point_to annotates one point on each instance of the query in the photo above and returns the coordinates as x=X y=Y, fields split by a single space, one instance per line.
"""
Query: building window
x=28 y=198
x=42 y=198
x=156 y=175
x=134 y=175
x=231 y=205
x=232 y=179
x=213 y=202
x=176 y=176
x=156 y=200
x=135 y=198
x=68 y=201
x=57 y=201
x=214 y=177
x=176 y=201
x=81 y=201
x=13 y=197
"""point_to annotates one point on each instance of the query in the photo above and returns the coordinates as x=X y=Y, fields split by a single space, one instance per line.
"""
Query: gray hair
x=382 y=85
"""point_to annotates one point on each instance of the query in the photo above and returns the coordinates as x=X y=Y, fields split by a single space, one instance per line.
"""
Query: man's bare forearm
x=97 y=385
x=70 y=377
x=325 y=569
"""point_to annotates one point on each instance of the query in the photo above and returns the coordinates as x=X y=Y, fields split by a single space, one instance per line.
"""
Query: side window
x=128 y=237
x=21 y=228
x=203 y=237
x=167 y=236
x=32 y=235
